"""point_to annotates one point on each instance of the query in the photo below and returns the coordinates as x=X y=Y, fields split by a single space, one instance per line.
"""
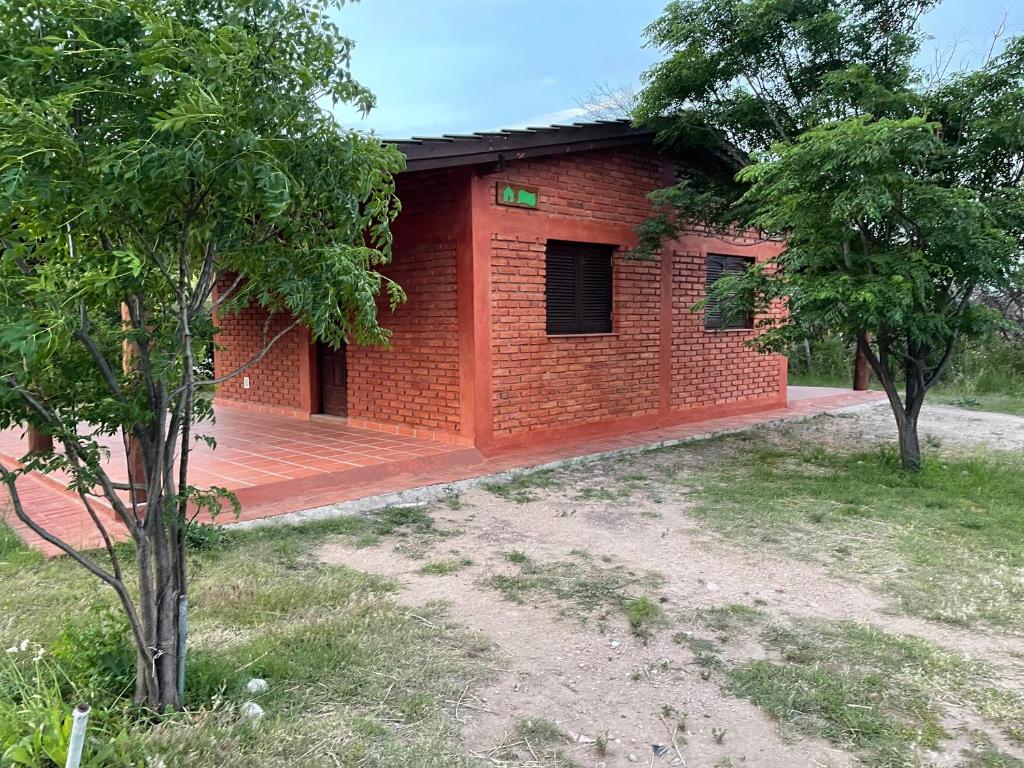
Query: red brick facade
x=415 y=381
x=659 y=361
x=471 y=360
x=280 y=381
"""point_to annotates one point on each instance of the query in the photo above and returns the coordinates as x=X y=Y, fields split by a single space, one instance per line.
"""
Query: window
x=717 y=267
x=579 y=287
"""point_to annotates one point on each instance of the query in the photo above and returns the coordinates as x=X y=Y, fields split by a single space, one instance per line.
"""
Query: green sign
x=516 y=195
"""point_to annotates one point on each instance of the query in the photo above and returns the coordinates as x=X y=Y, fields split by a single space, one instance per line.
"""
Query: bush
x=206 y=537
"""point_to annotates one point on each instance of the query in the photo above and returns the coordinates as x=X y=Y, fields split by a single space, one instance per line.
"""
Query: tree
x=880 y=240
x=898 y=195
x=149 y=150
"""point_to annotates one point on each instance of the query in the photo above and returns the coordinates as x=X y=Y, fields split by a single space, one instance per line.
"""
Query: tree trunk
x=910 y=447
x=156 y=684
x=136 y=470
x=861 y=372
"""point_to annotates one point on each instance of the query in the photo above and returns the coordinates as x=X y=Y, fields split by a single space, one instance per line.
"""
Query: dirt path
x=592 y=683
x=572 y=675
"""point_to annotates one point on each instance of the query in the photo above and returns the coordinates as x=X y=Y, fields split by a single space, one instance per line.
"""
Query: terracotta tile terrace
x=276 y=465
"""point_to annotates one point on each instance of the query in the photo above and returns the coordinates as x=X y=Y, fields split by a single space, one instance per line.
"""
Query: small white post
x=78 y=723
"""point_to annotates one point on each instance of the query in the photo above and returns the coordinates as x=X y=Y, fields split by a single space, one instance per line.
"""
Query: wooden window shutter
x=717 y=267
x=579 y=288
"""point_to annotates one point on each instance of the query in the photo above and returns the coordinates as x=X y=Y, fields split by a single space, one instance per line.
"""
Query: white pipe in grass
x=79 y=721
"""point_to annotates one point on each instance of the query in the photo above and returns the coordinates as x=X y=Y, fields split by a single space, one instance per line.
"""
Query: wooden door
x=333 y=381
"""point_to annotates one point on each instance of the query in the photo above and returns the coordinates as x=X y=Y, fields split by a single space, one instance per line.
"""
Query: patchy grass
x=523 y=488
x=727 y=621
x=12 y=552
x=585 y=589
x=881 y=695
x=404 y=522
x=533 y=741
x=643 y=615
x=995 y=403
x=947 y=543
x=985 y=755
x=516 y=556
x=445 y=566
x=355 y=679
x=537 y=730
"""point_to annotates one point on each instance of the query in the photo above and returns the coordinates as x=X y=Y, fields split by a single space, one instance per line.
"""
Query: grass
x=355 y=679
x=958 y=396
x=12 y=552
x=523 y=488
x=946 y=544
x=995 y=403
x=584 y=588
x=881 y=695
x=516 y=556
x=537 y=730
x=445 y=566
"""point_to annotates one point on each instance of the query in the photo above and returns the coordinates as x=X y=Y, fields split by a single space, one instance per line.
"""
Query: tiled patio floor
x=277 y=465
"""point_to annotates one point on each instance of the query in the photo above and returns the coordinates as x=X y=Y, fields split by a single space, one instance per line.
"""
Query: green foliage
x=37 y=696
x=97 y=654
x=737 y=76
x=899 y=200
x=206 y=536
x=150 y=151
x=157 y=127
x=985 y=374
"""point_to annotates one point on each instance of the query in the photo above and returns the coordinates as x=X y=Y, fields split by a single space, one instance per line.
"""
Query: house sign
x=516 y=195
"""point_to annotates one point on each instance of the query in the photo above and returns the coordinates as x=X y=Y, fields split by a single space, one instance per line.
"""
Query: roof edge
x=453 y=150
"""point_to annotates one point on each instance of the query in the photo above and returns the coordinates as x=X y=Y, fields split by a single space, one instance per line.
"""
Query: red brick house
x=524 y=322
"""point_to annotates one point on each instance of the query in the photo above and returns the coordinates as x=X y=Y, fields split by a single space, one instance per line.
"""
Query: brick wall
x=541 y=381
x=548 y=382
x=711 y=367
x=605 y=186
x=658 y=364
x=274 y=383
x=416 y=381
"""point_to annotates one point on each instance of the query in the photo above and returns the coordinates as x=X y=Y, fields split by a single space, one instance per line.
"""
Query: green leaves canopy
x=878 y=240
x=898 y=194
x=134 y=133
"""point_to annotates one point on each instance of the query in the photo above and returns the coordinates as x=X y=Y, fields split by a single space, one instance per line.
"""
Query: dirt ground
x=594 y=681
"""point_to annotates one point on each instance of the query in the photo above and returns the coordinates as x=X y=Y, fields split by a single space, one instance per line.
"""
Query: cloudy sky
x=457 y=66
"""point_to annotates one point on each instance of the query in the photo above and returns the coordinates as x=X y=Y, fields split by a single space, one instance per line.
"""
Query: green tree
x=149 y=150
x=898 y=196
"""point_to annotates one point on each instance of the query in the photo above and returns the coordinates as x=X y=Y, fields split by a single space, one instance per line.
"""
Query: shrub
x=206 y=537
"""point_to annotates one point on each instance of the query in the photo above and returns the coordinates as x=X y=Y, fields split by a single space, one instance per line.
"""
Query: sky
x=458 y=66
